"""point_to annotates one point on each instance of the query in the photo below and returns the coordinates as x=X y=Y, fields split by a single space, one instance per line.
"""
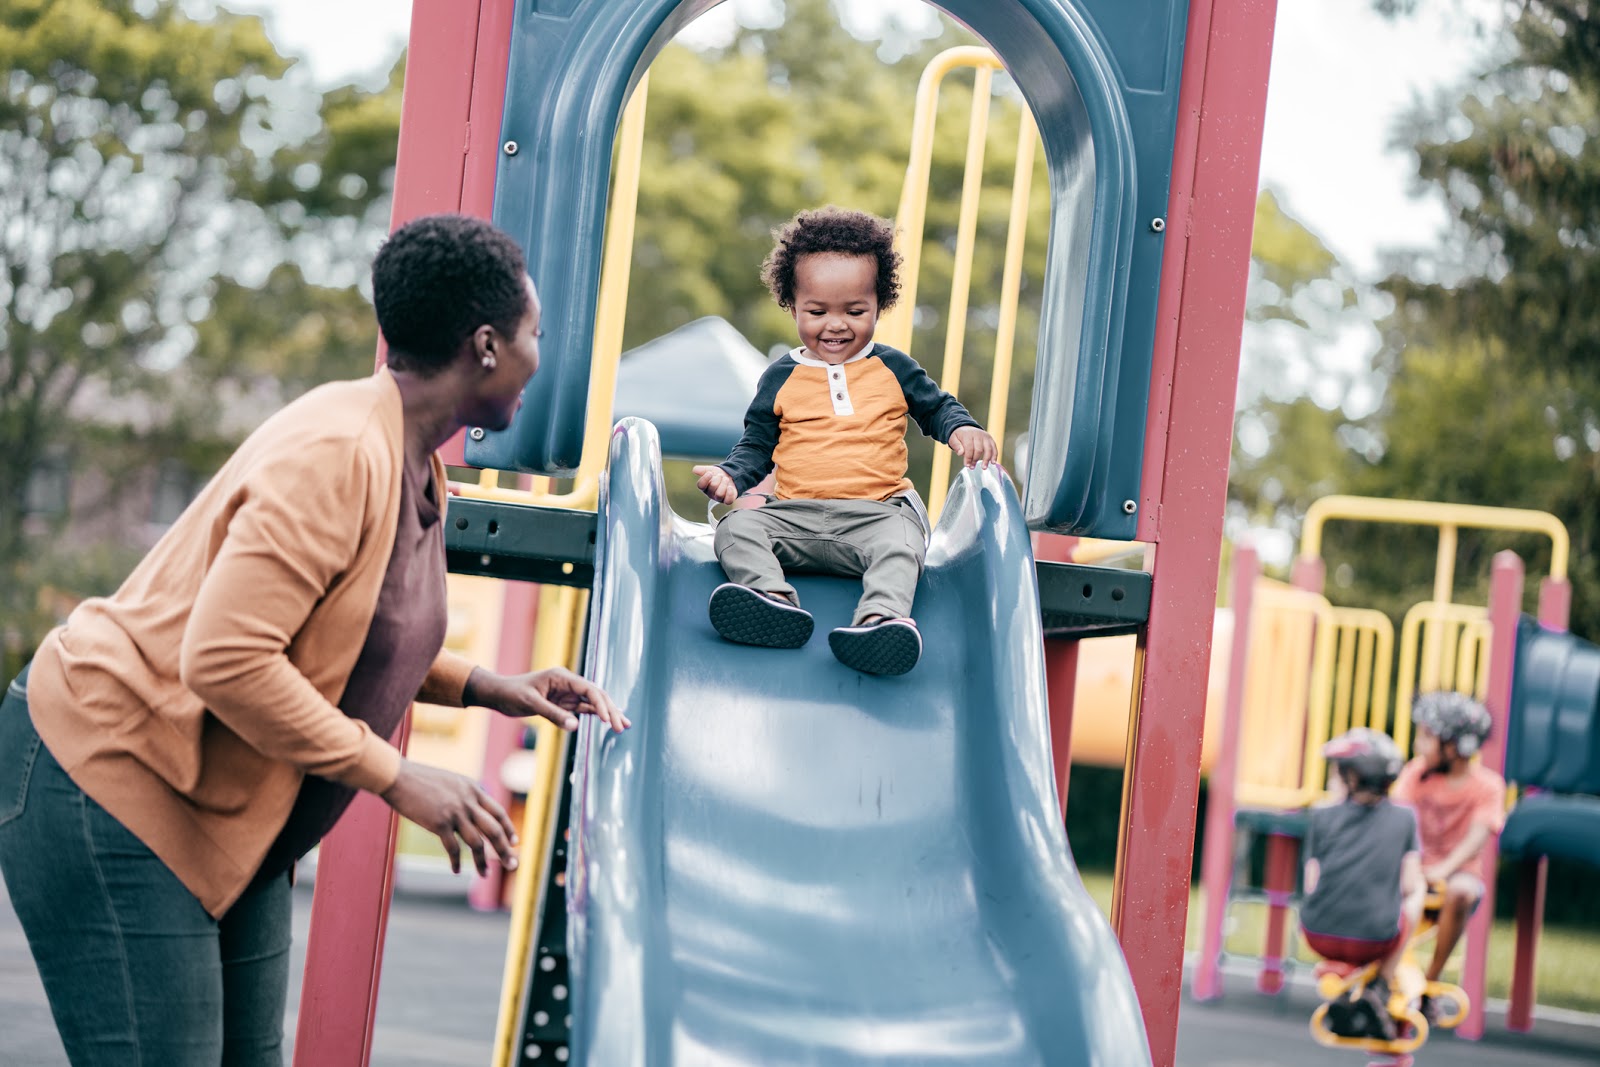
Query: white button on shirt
x=838 y=383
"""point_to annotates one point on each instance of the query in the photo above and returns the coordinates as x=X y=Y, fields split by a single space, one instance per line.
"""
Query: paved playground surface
x=441 y=981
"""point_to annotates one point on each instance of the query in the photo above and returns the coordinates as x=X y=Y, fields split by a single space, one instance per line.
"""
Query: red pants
x=1354 y=951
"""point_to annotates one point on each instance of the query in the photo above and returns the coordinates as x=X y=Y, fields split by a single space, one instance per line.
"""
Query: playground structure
x=1151 y=154
x=1303 y=670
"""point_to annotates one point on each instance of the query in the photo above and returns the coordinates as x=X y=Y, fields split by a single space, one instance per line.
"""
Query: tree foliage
x=151 y=165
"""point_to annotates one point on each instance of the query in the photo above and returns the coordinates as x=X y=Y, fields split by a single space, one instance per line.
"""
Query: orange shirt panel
x=824 y=455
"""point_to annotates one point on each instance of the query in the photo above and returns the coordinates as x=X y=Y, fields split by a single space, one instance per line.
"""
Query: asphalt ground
x=441 y=982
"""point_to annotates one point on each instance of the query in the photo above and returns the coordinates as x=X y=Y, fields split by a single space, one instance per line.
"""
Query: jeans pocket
x=19 y=750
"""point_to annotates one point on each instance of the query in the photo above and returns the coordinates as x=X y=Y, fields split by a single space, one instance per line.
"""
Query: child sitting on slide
x=1363 y=878
x=1460 y=805
x=831 y=416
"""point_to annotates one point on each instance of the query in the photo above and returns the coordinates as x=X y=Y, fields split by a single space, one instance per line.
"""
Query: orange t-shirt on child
x=1447 y=807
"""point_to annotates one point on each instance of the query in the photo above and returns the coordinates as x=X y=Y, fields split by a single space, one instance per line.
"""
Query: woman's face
x=516 y=359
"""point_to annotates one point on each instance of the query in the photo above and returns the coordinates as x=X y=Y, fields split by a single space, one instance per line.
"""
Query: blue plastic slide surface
x=786 y=862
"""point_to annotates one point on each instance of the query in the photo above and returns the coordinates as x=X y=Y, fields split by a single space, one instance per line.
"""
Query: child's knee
x=1463 y=891
x=744 y=525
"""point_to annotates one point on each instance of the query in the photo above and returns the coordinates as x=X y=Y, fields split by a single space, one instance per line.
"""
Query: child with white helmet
x=1460 y=805
x=1363 y=878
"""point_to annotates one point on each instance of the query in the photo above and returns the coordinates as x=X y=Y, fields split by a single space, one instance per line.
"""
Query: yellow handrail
x=1288 y=697
x=610 y=314
x=896 y=327
x=1448 y=517
x=1442 y=646
x=561 y=611
x=1365 y=641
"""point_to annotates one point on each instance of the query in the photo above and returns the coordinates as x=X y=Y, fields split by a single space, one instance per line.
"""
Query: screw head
x=1129 y=507
x=510 y=148
x=1158 y=224
x=477 y=433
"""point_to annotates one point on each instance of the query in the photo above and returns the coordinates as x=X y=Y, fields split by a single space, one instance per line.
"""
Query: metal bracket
x=522 y=542
x=1078 y=600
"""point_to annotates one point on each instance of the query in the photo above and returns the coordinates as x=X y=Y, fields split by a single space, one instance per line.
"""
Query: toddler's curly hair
x=834 y=230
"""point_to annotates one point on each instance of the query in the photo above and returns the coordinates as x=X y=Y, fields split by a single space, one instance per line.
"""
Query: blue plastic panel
x=787 y=862
x=1554 y=735
x=1102 y=78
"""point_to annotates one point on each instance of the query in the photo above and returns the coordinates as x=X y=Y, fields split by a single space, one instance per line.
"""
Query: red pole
x=1555 y=609
x=1505 y=608
x=1200 y=312
x=1060 y=672
x=1061 y=683
x=344 y=947
x=450 y=41
x=519 y=616
x=1216 y=862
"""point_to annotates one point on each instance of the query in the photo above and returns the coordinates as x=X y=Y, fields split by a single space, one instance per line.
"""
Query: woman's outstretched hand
x=456 y=809
x=555 y=694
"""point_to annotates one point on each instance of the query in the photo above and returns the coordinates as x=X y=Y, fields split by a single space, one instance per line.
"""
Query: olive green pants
x=881 y=542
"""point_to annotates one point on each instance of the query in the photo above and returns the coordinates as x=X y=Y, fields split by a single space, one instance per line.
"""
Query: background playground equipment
x=1335 y=980
x=1139 y=344
x=1308 y=670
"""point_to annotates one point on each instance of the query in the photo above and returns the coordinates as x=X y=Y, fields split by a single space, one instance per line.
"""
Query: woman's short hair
x=437 y=279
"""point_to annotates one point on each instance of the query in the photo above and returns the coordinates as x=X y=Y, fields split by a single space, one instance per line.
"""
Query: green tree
x=1490 y=351
x=151 y=173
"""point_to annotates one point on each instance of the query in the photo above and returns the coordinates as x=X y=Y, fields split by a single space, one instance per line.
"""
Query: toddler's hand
x=715 y=483
x=974 y=446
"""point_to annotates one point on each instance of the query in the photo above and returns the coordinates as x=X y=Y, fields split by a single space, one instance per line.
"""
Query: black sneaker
x=1373 y=1005
x=889 y=647
x=747 y=617
x=1342 y=1018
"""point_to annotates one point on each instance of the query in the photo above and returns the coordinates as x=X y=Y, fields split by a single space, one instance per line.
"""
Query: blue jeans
x=136 y=971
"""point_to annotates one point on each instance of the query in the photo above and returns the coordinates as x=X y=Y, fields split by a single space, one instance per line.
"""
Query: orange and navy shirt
x=838 y=432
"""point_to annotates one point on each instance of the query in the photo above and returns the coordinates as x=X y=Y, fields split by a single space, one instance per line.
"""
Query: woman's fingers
x=452 y=847
x=495 y=826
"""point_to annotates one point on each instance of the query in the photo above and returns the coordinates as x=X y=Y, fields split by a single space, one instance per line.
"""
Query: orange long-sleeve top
x=190 y=703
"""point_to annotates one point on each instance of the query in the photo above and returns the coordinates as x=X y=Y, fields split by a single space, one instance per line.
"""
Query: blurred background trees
x=186 y=223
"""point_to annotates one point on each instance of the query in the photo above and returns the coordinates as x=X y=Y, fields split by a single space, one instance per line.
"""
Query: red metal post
x=1200 y=313
x=1555 y=609
x=1061 y=683
x=1283 y=852
x=1505 y=608
x=519 y=616
x=344 y=948
x=1277 y=881
x=453 y=42
x=1216 y=861
x=1060 y=673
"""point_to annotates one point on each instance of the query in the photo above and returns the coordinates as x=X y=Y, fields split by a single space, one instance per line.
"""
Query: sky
x=1340 y=77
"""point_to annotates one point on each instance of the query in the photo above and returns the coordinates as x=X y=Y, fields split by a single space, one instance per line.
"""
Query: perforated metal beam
x=555 y=546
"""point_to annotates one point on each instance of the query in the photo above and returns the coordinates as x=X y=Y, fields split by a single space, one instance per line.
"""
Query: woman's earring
x=488 y=363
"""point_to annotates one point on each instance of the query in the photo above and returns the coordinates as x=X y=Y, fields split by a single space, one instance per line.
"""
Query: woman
x=173 y=749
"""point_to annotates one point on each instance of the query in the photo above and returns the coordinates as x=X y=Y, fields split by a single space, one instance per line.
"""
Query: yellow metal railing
x=555 y=643
x=562 y=610
x=1449 y=518
x=896 y=327
x=1364 y=643
x=1442 y=646
x=610 y=313
x=1287 y=697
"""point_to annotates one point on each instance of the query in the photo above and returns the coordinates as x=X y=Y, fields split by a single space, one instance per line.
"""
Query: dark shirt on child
x=1358 y=849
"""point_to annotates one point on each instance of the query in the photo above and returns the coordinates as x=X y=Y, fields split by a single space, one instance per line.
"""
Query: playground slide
x=786 y=862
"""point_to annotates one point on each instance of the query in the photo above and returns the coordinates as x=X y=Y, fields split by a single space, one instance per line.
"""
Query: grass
x=1568 y=961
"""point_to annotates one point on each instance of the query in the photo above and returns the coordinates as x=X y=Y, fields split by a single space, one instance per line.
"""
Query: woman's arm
x=282 y=550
